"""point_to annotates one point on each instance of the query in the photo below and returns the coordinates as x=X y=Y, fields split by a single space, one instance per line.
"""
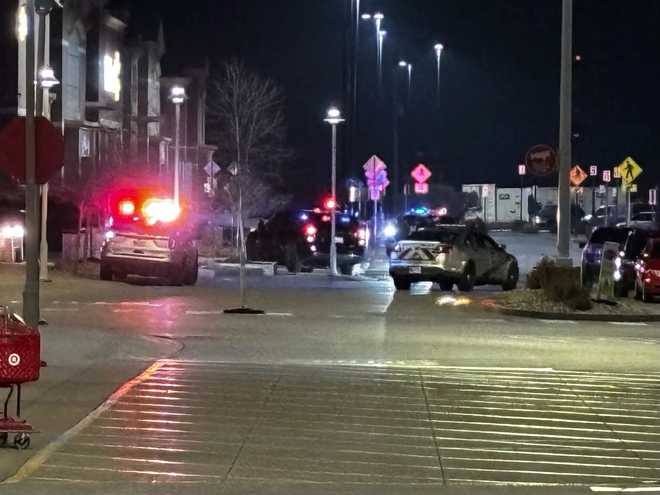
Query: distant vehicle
x=647 y=271
x=403 y=226
x=611 y=215
x=149 y=235
x=546 y=218
x=452 y=254
x=624 y=276
x=593 y=250
x=300 y=240
x=642 y=220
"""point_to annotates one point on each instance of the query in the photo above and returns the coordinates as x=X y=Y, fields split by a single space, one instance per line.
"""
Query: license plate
x=416 y=270
x=339 y=240
x=139 y=243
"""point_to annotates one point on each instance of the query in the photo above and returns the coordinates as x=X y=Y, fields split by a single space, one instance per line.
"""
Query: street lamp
x=438 y=54
x=410 y=68
x=334 y=118
x=378 y=18
x=178 y=97
x=396 y=115
x=47 y=79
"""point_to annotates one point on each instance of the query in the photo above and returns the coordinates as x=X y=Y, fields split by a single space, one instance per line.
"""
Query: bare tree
x=247 y=122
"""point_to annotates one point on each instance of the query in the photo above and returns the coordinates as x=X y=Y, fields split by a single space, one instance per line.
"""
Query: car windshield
x=436 y=235
x=603 y=235
x=548 y=210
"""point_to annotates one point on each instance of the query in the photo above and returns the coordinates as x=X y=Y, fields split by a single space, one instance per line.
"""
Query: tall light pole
x=396 y=115
x=178 y=97
x=378 y=19
x=565 y=133
x=31 y=290
x=334 y=118
x=410 y=70
x=438 y=55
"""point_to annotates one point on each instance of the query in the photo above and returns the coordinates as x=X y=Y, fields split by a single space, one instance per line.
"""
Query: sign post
x=375 y=171
x=522 y=171
x=629 y=170
x=593 y=172
x=605 y=291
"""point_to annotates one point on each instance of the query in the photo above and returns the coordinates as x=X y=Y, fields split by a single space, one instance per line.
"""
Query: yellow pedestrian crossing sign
x=629 y=170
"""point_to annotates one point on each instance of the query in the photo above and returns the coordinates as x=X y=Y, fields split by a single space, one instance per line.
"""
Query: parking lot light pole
x=565 y=133
x=178 y=97
x=334 y=118
x=522 y=171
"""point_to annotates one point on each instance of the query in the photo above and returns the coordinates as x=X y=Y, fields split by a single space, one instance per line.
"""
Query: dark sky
x=500 y=77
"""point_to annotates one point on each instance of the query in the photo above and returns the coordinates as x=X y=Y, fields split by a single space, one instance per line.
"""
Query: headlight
x=588 y=218
x=617 y=263
x=390 y=231
x=617 y=276
x=109 y=235
x=537 y=219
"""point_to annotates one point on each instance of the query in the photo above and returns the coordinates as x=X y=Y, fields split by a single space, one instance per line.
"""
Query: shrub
x=540 y=273
x=559 y=284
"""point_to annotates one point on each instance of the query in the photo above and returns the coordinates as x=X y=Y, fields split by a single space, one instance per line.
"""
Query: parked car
x=624 y=276
x=642 y=220
x=546 y=218
x=452 y=254
x=150 y=236
x=612 y=215
x=300 y=240
x=593 y=250
x=647 y=271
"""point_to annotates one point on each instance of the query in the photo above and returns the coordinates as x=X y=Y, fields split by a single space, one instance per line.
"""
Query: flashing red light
x=330 y=204
x=317 y=210
x=126 y=207
x=311 y=230
x=326 y=218
x=160 y=210
x=578 y=58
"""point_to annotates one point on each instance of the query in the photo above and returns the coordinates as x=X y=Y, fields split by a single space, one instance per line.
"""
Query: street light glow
x=178 y=94
x=47 y=77
x=366 y=17
x=382 y=34
x=379 y=16
x=403 y=63
x=333 y=116
x=438 y=48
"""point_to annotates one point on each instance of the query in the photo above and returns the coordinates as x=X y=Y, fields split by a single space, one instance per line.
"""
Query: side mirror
x=582 y=245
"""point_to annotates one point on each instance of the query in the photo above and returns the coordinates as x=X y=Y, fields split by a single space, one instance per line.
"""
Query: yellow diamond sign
x=629 y=170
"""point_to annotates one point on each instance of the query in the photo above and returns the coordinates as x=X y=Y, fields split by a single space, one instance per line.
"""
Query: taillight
x=160 y=210
x=311 y=230
x=126 y=207
x=361 y=234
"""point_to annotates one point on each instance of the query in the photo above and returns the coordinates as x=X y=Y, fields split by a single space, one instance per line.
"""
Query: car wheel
x=512 y=275
x=401 y=284
x=346 y=269
x=446 y=285
x=192 y=271
x=106 y=271
x=466 y=282
x=292 y=261
x=620 y=290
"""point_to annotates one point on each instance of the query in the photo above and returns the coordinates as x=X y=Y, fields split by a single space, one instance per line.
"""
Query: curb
x=540 y=315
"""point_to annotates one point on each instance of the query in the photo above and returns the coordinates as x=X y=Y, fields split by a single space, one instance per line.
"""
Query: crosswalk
x=209 y=423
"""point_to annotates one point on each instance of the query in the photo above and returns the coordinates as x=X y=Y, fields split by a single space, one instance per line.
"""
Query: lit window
x=21 y=23
x=111 y=75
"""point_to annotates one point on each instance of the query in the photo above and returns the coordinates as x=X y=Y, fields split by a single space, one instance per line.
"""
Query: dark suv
x=624 y=276
x=593 y=251
x=300 y=240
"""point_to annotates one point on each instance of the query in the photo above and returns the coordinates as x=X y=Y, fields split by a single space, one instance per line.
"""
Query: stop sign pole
x=31 y=291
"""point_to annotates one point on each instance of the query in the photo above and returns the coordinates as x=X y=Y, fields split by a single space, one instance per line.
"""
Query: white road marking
x=280 y=314
x=60 y=310
x=488 y=320
x=559 y=322
x=628 y=323
x=203 y=313
x=613 y=489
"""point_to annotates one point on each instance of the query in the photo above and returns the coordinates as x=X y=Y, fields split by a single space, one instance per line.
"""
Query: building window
x=112 y=75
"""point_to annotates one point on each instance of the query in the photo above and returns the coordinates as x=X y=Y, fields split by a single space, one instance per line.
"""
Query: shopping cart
x=20 y=362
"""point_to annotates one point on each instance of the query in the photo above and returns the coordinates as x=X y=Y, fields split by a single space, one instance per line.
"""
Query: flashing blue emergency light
x=345 y=219
x=421 y=211
x=304 y=217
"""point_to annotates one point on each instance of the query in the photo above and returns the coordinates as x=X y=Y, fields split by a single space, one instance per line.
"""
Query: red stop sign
x=50 y=149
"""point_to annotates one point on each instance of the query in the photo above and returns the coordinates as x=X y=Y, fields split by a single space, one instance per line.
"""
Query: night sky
x=500 y=77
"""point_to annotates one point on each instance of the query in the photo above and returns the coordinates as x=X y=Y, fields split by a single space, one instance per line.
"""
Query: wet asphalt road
x=343 y=386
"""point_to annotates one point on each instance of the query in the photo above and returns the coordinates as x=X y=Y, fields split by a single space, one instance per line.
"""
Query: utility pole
x=565 y=132
x=31 y=290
